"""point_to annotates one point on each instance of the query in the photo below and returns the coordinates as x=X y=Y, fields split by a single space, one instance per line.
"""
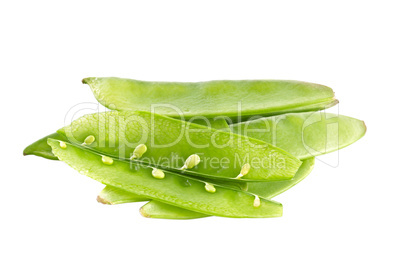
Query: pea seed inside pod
x=63 y=145
x=89 y=140
x=158 y=174
x=139 y=151
x=107 y=160
x=191 y=162
x=257 y=202
x=244 y=170
x=210 y=188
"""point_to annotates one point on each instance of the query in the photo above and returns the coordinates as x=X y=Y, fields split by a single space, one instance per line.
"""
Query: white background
x=347 y=216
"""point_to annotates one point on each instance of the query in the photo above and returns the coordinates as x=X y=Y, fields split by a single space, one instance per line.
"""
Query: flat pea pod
x=304 y=135
x=136 y=178
x=171 y=142
x=268 y=190
x=224 y=97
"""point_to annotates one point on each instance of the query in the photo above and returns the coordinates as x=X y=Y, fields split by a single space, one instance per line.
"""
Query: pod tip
x=143 y=213
x=102 y=200
x=27 y=151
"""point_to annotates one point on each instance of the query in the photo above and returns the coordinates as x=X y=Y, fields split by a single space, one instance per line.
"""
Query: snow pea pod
x=224 y=97
x=304 y=135
x=268 y=190
x=173 y=189
x=170 y=142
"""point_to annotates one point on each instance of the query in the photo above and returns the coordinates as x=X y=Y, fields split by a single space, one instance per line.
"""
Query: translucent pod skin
x=182 y=100
x=173 y=190
x=170 y=142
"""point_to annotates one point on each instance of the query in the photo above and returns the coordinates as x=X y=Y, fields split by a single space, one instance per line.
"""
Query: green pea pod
x=222 y=155
x=231 y=98
x=304 y=135
x=268 y=190
x=173 y=189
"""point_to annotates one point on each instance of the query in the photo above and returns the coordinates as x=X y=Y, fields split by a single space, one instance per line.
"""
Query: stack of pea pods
x=193 y=150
